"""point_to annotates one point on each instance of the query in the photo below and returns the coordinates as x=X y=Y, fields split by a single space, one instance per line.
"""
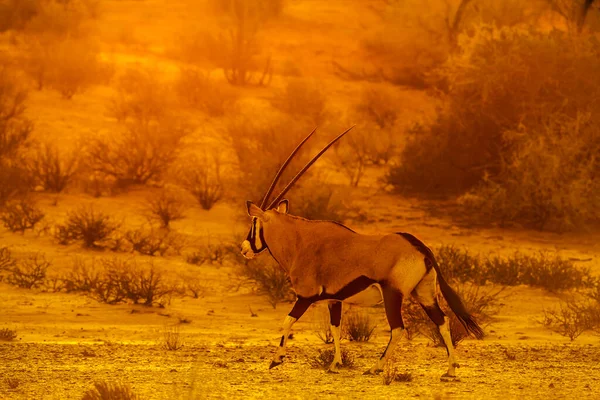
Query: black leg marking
x=300 y=307
x=335 y=313
x=435 y=313
x=392 y=299
x=282 y=341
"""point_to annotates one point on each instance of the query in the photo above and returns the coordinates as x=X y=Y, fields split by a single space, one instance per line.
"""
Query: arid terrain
x=213 y=331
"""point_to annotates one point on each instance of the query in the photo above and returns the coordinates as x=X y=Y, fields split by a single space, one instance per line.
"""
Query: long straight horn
x=307 y=166
x=281 y=169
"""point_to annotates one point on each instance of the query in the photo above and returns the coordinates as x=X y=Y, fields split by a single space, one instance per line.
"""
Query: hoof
x=275 y=363
x=333 y=371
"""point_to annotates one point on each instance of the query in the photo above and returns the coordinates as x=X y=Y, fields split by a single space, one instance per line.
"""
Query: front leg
x=335 y=318
x=300 y=307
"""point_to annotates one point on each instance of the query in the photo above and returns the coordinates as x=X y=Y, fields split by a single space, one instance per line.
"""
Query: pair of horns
x=299 y=174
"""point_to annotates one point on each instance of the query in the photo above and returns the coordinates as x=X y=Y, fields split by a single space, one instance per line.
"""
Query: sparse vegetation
x=110 y=391
x=93 y=228
x=201 y=176
x=315 y=199
x=303 y=100
x=7 y=334
x=268 y=279
x=51 y=170
x=29 y=272
x=172 y=338
x=198 y=91
x=324 y=358
x=12 y=383
x=358 y=326
x=152 y=242
x=572 y=317
x=165 y=208
x=321 y=327
x=391 y=373
x=20 y=215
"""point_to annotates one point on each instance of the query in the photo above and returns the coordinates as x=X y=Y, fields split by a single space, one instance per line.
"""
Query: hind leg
x=392 y=299
x=335 y=319
x=426 y=295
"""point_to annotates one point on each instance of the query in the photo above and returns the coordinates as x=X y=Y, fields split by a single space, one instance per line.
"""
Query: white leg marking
x=445 y=332
x=396 y=335
x=288 y=322
x=337 y=358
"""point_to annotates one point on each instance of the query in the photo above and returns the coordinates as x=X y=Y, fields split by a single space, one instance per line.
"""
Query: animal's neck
x=283 y=238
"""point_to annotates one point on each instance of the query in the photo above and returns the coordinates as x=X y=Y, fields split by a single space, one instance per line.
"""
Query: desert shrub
x=321 y=327
x=15 y=131
x=83 y=276
x=193 y=286
x=141 y=155
x=74 y=66
x=482 y=303
x=7 y=335
x=201 y=176
x=572 y=317
x=50 y=169
x=303 y=100
x=6 y=261
x=267 y=279
x=358 y=326
x=29 y=272
x=392 y=373
x=545 y=270
x=172 y=338
x=197 y=90
x=124 y=280
x=530 y=161
x=165 y=208
x=20 y=215
x=93 y=228
x=110 y=391
x=270 y=8
x=458 y=264
x=152 y=242
x=260 y=147
x=240 y=47
x=324 y=358
x=214 y=252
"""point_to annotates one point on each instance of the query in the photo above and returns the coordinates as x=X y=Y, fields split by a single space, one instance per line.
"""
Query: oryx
x=328 y=261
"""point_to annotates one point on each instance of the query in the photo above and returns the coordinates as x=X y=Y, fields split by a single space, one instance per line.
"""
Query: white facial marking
x=247 y=250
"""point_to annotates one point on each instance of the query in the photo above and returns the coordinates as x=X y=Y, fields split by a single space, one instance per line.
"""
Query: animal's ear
x=283 y=206
x=254 y=210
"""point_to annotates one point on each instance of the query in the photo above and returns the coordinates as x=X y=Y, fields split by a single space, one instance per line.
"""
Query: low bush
x=573 y=317
x=165 y=208
x=51 y=170
x=110 y=391
x=7 y=335
x=172 y=338
x=152 y=242
x=358 y=326
x=324 y=358
x=6 y=261
x=201 y=176
x=94 y=228
x=391 y=373
x=302 y=100
x=214 y=253
x=321 y=327
x=29 y=272
x=543 y=269
x=197 y=90
x=315 y=200
x=267 y=279
x=20 y=215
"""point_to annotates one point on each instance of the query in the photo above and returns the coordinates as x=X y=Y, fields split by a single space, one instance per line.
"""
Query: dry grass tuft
x=8 y=335
x=358 y=326
x=20 y=215
x=324 y=358
x=391 y=373
x=172 y=338
x=110 y=391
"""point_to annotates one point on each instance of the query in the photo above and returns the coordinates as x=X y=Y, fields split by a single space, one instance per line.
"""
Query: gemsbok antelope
x=328 y=261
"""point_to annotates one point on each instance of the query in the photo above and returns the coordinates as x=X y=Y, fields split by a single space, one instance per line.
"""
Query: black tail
x=452 y=298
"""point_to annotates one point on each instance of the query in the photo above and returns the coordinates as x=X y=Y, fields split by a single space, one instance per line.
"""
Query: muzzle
x=247 y=250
